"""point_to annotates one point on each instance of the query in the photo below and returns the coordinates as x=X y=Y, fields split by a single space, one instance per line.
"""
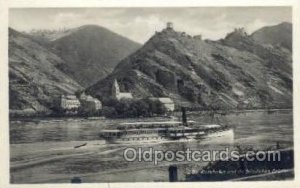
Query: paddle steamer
x=167 y=131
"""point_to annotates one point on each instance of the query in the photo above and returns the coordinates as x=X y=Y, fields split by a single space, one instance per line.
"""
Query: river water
x=42 y=150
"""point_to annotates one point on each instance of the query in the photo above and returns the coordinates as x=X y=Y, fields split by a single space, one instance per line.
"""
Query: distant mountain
x=236 y=72
x=34 y=78
x=49 y=35
x=280 y=34
x=91 y=52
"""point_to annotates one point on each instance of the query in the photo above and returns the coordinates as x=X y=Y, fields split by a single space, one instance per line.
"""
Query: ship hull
x=224 y=137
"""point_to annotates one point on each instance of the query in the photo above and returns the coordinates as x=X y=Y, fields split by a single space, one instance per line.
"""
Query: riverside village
x=72 y=104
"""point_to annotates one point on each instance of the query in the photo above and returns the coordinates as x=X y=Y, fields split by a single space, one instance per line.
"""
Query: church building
x=118 y=94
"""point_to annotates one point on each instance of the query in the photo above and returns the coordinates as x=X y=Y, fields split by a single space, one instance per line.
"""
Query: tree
x=109 y=112
x=142 y=108
x=133 y=108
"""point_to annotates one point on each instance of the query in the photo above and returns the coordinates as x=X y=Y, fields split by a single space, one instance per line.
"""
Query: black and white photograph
x=150 y=94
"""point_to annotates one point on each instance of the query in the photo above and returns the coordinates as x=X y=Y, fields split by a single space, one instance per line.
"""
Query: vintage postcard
x=168 y=95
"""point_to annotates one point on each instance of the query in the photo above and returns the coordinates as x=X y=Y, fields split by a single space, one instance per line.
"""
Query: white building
x=69 y=102
x=167 y=102
x=90 y=103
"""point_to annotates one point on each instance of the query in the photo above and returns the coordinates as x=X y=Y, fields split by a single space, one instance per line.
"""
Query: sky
x=139 y=24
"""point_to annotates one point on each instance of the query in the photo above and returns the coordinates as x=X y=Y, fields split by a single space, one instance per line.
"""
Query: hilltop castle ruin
x=170 y=29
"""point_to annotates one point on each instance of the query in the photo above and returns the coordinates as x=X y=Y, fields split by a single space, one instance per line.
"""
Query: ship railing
x=129 y=132
x=148 y=125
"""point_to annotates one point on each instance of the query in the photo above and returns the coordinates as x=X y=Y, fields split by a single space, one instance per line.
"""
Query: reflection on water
x=47 y=148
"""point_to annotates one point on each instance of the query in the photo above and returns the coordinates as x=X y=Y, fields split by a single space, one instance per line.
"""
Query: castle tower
x=240 y=31
x=169 y=25
x=115 y=89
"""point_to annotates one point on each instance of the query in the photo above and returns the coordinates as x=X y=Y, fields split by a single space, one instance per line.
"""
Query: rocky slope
x=34 y=78
x=276 y=59
x=280 y=35
x=90 y=52
x=236 y=72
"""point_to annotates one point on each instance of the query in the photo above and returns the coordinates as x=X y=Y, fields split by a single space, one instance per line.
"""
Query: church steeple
x=115 y=88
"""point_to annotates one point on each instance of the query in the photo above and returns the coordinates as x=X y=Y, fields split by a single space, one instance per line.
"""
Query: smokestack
x=184 y=120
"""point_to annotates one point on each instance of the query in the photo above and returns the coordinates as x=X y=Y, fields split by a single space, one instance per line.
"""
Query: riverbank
x=178 y=112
